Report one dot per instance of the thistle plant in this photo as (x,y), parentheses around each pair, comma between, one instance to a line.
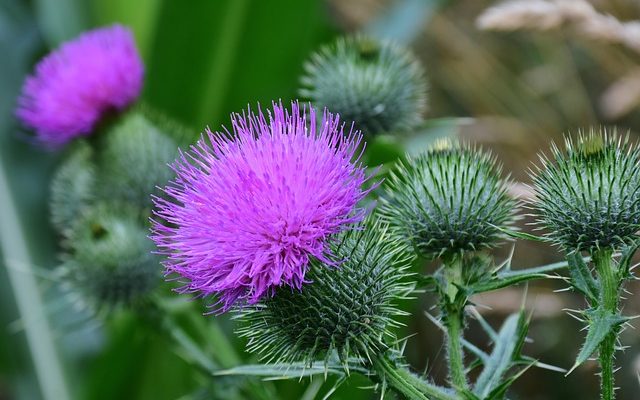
(588,201)
(380,86)
(450,203)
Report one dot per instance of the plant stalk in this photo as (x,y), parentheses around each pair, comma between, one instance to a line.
(609,298)
(405,382)
(453,310)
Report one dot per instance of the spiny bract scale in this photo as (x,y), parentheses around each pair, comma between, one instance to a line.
(588,195)
(378,85)
(346,309)
(448,200)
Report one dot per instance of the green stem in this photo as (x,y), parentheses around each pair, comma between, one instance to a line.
(453,310)
(455,353)
(405,382)
(609,297)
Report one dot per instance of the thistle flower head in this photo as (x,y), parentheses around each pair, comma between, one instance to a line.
(245,214)
(588,194)
(75,85)
(347,310)
(381,85)
(448,200)
(111,262)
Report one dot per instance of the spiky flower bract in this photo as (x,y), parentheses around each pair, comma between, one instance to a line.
(448,200)
(348,309)
(588,194)
(247,211)
(111,261)
(133,159)
(73,187)
(378,85)
(75,85)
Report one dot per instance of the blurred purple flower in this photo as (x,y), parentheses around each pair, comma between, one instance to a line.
(245,213)
(76,84)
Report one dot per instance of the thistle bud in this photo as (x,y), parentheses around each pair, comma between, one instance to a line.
(134,158)
(111,261)
(378,85)
(72,187)
(346,308)
(588,195)
(448,200)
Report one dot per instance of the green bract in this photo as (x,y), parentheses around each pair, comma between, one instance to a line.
(588,195)
(378,85)
(448,200)
(111,261)
(346,309)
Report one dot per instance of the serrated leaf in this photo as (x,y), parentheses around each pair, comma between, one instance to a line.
(581,277)
(601,323)
(506,349)
(625,259)
(508,278)
(499,391)
(287,370)
(521,235)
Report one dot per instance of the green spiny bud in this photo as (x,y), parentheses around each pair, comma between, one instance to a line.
(134,160)
(378,85)
(448,200)
(72,187)
(346,309)
(111,261)
(588,195)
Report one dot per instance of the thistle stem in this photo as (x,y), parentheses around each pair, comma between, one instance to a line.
(609,298)
(453,311)
(405,382)
(455,352)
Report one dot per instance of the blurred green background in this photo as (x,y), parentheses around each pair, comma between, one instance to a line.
(512,93)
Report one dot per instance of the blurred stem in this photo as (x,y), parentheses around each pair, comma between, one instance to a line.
(405,382)
(453,311)
(609,285)
(17,260)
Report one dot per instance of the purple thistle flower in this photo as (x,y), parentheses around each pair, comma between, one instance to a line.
(76,84)
(245,213)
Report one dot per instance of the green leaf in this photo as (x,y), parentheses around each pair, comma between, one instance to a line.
(581,277)
(601,323)
(508,277)
(506,350)
(521,235)
(287,370)
(624,264)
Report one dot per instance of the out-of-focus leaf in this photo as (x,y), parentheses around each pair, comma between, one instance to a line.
(228,54)
(433,129)
(23,184)
(140,15)
(403,20)
(61,20)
